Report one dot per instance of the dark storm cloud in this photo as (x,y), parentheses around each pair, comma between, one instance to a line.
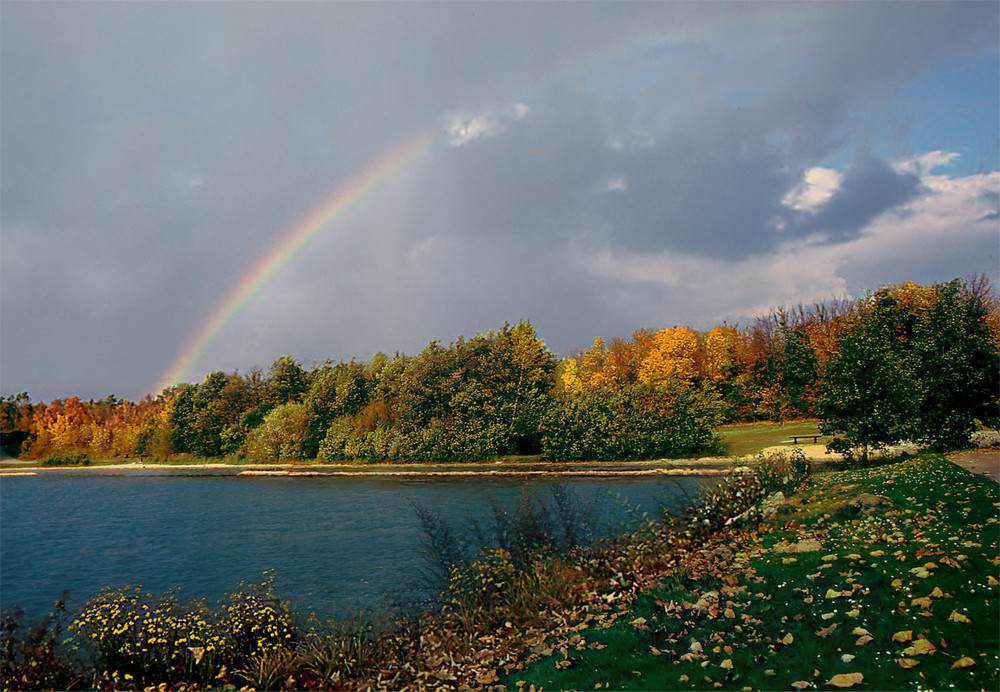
(152,153)
(870,187)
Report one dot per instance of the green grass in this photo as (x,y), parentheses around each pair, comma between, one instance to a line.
(915,583)
(751,438)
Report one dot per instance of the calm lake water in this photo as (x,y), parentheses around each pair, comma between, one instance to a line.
(335,544)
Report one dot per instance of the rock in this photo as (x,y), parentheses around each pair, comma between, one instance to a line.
(867,504)
(808,545)
(770,506)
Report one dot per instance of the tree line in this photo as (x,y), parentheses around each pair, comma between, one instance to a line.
(905,362)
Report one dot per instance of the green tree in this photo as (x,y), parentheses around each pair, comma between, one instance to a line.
(956,356)
(914,363)
(869,391)
(287,381)
(281,436)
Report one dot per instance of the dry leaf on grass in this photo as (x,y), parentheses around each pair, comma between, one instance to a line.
(846,679)
(824,632)
(958,617)
(907,662)
(903,636)
(919,647)
(963,662)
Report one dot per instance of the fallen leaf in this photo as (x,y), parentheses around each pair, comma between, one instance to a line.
(727,664)
(864,639)
(896,583)
(846,679)
(787,639)
(656,652)
(923,602)
(827,616)
(830,593)
(991,580)
(937,593)
(963,662)
(853,613)
(958,617)
(696,647)
(919,647)
(907,662)
(847,658)
(824,632)
(857,631)
(801,684)
(903,636)
(638,622)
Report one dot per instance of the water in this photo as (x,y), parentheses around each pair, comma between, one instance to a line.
(335,544)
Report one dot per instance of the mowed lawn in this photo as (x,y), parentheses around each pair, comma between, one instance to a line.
(750,438)
(821,597)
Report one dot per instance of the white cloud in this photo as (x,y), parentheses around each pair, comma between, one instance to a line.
(464,127)
(615,184)
(817,187)
(947,227)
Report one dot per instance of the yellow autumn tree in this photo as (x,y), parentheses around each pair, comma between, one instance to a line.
(721,347)
(672,358)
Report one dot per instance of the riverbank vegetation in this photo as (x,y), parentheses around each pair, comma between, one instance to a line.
(882,577)
(927,355)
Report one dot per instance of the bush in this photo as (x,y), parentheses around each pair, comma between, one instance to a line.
(32,657)
(68,460)
(142,639)
(638,422)
(257,622)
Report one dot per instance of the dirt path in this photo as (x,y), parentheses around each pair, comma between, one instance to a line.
(984,461)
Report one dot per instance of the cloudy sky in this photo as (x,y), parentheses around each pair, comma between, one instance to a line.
(197,186)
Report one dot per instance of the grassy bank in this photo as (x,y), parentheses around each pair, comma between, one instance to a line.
(881,578)
(825,596)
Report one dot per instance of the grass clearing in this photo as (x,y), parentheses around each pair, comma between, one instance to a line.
(904,598)
(750,438)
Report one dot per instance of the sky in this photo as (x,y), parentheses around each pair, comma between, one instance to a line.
(196,186)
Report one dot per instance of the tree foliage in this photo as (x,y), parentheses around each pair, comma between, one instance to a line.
(906,362)
(914,363)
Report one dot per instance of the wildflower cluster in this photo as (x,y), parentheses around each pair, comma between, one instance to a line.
(141,638)
(258,622)
(480,582)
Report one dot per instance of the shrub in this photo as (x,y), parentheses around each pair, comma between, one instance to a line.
(31,657)
(637,422)
(742,491)
(257,622)
(68,460)
(142,639)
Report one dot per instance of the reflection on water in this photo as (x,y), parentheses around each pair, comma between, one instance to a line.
(335,544)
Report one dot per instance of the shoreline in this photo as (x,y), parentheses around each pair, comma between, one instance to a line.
(702,466)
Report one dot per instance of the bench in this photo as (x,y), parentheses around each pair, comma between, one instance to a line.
(814,438)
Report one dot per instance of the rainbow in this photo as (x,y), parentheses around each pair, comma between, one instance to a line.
(781,18)
(343,198)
